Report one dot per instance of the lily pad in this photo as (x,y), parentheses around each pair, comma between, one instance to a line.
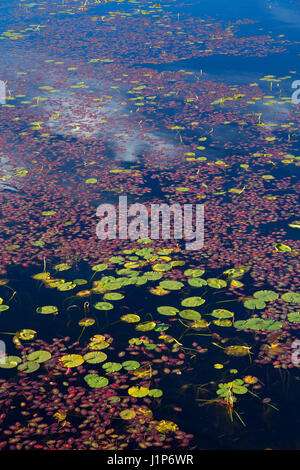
(100,267)
(95,357)
(222,313)
(39,356)
(169,311)
(146,326)
(216,283)
(29,366)
(130,365)
(112,367)
(190,314)
(96,381)
(294,317)
(291,297)
(197,282)
(113,296)
(266,295)
(47,310)
(9,362)
(171,285)
(71,360)
(138,392)
(253,304)
(192,302)
(103,306)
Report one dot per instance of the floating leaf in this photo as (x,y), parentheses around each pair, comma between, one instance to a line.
(291,297)
(130,365)
(47,310)
(190,314)
(100,267)
(155,393)
(71,360)
(192,302)
(39,356)
(165,310)
(86,322)
(95,357)
(62,267)
(294,317)
(197,282)
(146,326)
(266,295)
(29,366)
(95,381)
(26,334)
(258,324)
(237,350)
(3,308)
(221,313)
(113,296)
(194,272)
(281,248)
(130,318)
(103,306)
(127,414)
(171,285)
(138,392)
(222,322)
(253,304)
(9,362)
(216,283)
(161,267)
(112,367)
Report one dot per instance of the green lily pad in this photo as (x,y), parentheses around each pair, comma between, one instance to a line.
(171,285)
(95,357)
(39,356)
(62,267)
(197,282)
(103,306)
(146,326)
(258,324)
(138,392)
(222,313)
(266,295)
(112,367)
(194,272)
(127,414)
(130,365)
(47,310)
(192,302)
(100,267)
(223,322)
(113,296)
(71,360)
(9,362)
(294,317)
(80,282)
(152,276)
(3,308)
(29,366)
(95,381)
(216,283)
(291,297)
(190,314)
(155,393)
(165,310)
(253,304)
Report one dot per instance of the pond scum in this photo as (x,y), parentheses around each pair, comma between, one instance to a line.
(124,344)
